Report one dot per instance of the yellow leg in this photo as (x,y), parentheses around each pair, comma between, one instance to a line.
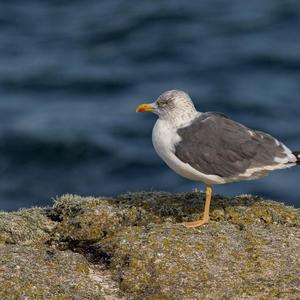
(205,219)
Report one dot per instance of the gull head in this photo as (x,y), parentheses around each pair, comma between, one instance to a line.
(174,106)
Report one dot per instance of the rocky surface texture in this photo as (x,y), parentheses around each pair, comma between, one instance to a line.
(134,247)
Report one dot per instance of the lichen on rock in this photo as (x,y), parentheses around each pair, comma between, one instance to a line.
(249,250)
(42,273)
(27,226)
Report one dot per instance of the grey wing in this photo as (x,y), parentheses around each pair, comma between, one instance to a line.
(214,144)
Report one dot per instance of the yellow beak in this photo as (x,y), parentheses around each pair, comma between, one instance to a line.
(148,107)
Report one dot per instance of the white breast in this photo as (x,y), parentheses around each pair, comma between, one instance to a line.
(164,138)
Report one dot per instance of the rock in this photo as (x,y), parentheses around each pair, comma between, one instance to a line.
(134,247)
(43,273)
(25,226)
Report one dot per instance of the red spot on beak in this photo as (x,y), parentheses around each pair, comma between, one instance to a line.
(144,108)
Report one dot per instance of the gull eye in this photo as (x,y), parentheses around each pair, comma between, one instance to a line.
(162,104)
(167,103)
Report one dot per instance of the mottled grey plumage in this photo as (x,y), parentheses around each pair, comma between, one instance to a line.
(214,144)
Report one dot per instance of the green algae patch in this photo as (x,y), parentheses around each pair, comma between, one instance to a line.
(135,247)
(25,226)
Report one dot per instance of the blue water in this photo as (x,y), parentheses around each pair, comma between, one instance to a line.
(72,73)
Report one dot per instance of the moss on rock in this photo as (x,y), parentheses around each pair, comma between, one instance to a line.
(180,207)
(216,262)
(25,227)
(40,273)
(249,250)
(84,219)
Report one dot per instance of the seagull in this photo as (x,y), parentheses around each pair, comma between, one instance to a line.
(210,147)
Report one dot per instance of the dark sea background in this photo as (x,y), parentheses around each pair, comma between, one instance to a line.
(73,72)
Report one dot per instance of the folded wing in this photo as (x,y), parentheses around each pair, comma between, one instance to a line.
(214,144)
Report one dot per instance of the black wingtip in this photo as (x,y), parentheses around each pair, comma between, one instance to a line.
(297,154)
